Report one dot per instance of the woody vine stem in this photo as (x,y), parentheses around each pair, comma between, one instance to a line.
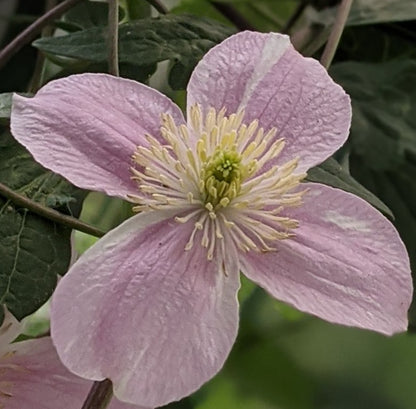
(336,33)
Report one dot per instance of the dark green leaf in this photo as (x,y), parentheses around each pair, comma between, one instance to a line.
(370,12)
(384,110)
(330,173)
(86,15)
(132,71)
(180,39)
(388,42)
(136,9)
(264,15)
(33,250)
(376,11)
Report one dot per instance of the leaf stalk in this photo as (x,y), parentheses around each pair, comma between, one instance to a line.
(99,396)
(113,17)
(336,33)
(48,213)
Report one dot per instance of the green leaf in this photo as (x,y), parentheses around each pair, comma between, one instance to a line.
(180,39)
(33,250)
(370,12)
(132,71)
(135,9)
(86,15)
(330,173)
(264,15)
(199,8)
(384,110)
(388,42)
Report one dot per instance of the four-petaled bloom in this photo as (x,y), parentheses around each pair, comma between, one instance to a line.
(153,304)
(33,377)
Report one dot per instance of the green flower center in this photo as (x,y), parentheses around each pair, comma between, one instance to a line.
(222,175)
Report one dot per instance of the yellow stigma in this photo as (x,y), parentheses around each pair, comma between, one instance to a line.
(222,176)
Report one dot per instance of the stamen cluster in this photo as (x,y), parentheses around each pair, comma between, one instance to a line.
(217,173)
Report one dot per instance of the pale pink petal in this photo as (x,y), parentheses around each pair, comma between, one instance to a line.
(346,264)
(266,76)
(137,308)
(33,377)
(86,128)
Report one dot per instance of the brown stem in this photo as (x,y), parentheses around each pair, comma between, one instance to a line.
(49,213)
(160,7)
(113,37)
(34,29)
(233,15)
(336,32)
(99,395)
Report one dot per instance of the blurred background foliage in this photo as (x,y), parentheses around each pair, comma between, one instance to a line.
(283,359)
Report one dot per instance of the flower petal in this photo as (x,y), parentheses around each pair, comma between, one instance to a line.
(138,309)
(86,128)
(346,264)
(32,376)
(266,76)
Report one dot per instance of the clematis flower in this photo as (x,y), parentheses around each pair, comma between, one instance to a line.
(33,377)
(153,305)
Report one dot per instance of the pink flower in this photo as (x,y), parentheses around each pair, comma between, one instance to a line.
(33,377)
(153,305)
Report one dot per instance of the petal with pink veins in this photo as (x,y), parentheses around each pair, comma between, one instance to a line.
(86,128)
(266,76)
(346,263)
(137,308)
(33,377)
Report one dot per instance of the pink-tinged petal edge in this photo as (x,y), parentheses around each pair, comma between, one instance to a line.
(138,309)
(266,76)
(33,377)
(346,264)
(86,128)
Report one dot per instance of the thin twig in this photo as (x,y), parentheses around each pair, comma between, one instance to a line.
(336,32)
(294,17)
(34,29)
(99,396)
(160,7)
(113,37)
(233,15)
(49,213)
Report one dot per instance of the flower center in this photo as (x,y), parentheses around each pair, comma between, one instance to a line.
(222,176)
